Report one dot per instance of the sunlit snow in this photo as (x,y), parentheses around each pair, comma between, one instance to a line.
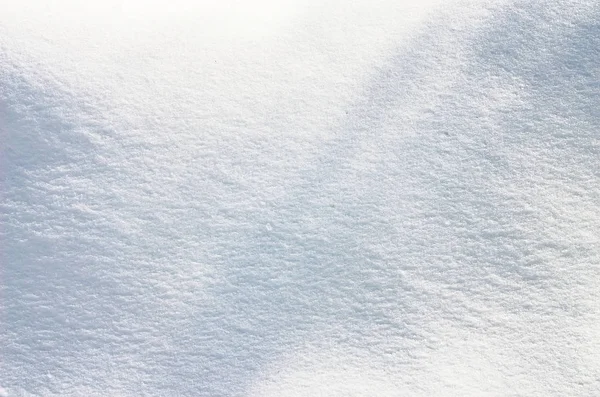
(299,198)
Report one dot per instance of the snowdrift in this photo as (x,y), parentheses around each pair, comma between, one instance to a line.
(299,198)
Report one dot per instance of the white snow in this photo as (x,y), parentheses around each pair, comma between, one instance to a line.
(299,198)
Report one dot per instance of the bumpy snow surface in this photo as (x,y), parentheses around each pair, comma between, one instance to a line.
(300,198)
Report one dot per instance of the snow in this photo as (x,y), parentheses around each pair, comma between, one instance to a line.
(299,198)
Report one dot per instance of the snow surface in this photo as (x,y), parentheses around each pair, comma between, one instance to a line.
(300,198)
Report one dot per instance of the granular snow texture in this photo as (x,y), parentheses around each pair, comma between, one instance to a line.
(299,198)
